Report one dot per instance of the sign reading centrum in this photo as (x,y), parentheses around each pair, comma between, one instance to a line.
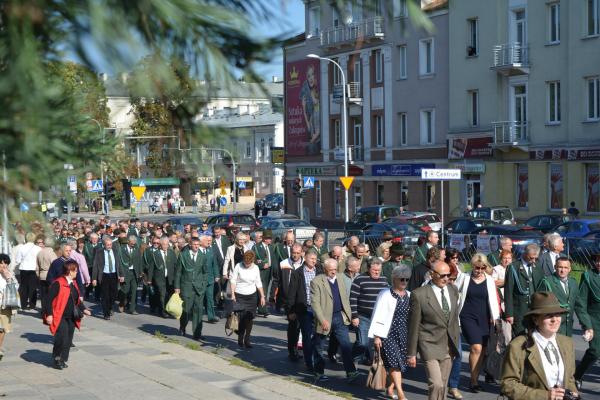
(440,174)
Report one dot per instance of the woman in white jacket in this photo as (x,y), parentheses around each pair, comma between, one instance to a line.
(389,328)
(479,309)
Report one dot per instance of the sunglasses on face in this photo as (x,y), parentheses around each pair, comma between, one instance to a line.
(479,268)
(442,275)
(403,279)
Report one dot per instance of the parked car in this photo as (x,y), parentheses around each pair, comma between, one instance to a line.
(520,237)
(233,223)
(577,229)
(546,223)
(302,229)
(273,201)
(417,222)
(467,225)
(370,215)
(586,246)
(179,222)
(262,219)
(404,233)
(430,218)
(500,215)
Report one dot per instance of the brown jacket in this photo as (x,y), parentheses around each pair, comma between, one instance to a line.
(44,259)
(321,300)
(429,333)
(523,376)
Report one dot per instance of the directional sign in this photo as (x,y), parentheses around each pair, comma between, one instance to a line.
(347,181)
(242,184)
(138,191)
(72,183)
(223,201)
(440,174)
(88,185)
(308,182)
(24,207)
(97,186)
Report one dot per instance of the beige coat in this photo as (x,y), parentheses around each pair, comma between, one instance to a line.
(321,300)
(44,259)
(523,376)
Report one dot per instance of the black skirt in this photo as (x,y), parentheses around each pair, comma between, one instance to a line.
(246,303)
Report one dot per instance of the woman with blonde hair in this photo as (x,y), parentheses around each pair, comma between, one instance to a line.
(478,312)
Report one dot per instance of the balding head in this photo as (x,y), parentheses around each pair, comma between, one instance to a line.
(440,272)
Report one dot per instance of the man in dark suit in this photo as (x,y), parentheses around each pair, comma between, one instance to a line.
(161,273)
(108,272)
(433,329)
(565,289)
(89,251)
(319,245)
(522,279)
(147,261)
(283,250)
(264,261)
(220,244)
(192,274)
(494,257)
(421,252)
(419,273)
(211,287)
(131,261)
(548,259)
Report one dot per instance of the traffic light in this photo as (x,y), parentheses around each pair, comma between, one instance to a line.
(297,187)
(109,190)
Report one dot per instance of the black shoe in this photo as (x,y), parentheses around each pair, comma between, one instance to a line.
(241,343)
(489,379)
(476,388)
(578,383)
(293,356)
(164,315)
(213,321)
(57,364)
(107,317)
(333,358)
(64,364)
(199,338)
(181,332)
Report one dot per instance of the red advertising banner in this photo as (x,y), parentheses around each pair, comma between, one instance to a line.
(459,148)
(303,113)
(592,187)
(556,186)
(523,186)
(566,154)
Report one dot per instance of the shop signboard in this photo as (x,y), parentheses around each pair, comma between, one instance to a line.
(406,170)
(478,147)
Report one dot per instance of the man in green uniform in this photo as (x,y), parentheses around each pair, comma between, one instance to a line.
(161,273)
(505,244)
(264,261)
(89,251)
(587,308)
(319,245)
(209,299)
(131,260)
(522,278)
(421,252)
(396,259)
(565,289)
(193,272)
(147,261)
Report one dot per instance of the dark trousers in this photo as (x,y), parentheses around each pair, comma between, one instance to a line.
(340,332)
(293,333)
(110,288)
(44,286)
(128,291)
(63,338)
(193,309)
(162,294)
(28,289)
(589,358)
(209,301)
(307,329)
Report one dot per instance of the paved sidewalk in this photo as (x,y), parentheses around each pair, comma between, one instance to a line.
(114,361)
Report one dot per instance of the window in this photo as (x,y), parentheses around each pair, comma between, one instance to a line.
(336,196)
(378,66)
(264,152)
(554,23)
(357,75)
(553,102)
(556,184)
(592,192)
(399,8)
(357,197)
(336,17)
(380,189)
(402,62)
(337,74)
(593,98)
(337,133)
(248,149)
(268,150)
(426,62)
(403,129)
(473,96)
(318,198)
(403,194)
(593,17)
(379,10)
(379,134)
(314,21)
(427,126)
(473,44)
(522,185)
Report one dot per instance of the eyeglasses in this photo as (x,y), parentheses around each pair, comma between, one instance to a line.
(454,258)
(479,268)
(442,275)
(403,279)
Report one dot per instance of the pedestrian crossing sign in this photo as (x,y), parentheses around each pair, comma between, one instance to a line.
(309,182)
(97,185)
(242,184)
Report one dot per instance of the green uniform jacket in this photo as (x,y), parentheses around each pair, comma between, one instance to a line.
(262,257)
(156,269)
(193,277)
(387,269)
(518,288)
(127,260)
(420,255)
(147,259)
(280,252)
(523,376)
(552,284)
(320,251)
(587,306)
(89,251)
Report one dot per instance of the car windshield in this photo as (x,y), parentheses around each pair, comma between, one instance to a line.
(292,223)
(243,219)
(389,212)
(594,226)
(484,214)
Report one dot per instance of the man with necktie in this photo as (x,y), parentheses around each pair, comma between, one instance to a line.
(147,261)
(522,279)
(192,275)
(108,273)
(548,259)
(131,260)
(220,244)
(264,261)
(209,299)
(161,274)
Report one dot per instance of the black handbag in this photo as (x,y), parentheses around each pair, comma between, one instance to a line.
(77,312)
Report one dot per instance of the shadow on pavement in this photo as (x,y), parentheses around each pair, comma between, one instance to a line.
(38,357)
(38,337)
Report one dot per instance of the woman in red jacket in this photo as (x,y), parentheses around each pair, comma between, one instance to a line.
(63,312)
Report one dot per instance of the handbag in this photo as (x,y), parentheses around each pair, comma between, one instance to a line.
(232,324)
(494,354)
(377,375)
(10,298)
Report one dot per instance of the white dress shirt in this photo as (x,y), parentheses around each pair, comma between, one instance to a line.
(26,257)
(246,280)
(437,291)
(555,370)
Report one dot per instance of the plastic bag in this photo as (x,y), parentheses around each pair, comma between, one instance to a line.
(175,306)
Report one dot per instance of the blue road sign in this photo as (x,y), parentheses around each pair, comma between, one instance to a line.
(309,182)
(24,207)
(223,201)
(242,184)
(97,186)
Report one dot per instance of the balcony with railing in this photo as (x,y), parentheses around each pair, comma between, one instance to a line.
(511,59)
(511,133)
(368,29)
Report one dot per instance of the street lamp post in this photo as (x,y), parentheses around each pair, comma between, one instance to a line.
(4,206)
(101,129)
(344,126)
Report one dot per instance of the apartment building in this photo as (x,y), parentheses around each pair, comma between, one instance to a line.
(397,76)
(525,104)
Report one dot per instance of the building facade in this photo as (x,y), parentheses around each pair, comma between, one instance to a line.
(524,104)
(397,114)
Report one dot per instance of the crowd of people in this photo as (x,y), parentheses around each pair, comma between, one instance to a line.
(366,303)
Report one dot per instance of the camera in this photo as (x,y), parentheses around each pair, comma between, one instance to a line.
(571,396)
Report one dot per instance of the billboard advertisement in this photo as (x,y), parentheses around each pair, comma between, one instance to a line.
(303,113)
(460,148)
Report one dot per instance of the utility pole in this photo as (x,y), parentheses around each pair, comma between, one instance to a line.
(300,201)
(4,206)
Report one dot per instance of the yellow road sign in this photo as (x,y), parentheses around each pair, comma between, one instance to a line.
(138,191)
(223,192)
(222,184)
(347,181)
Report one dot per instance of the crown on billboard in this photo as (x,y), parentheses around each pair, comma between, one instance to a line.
(293,73)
